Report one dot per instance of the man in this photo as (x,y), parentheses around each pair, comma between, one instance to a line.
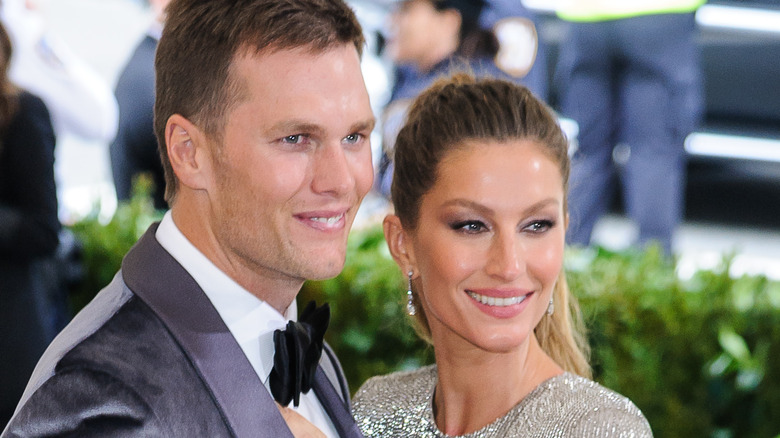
(264,117)
(134,149)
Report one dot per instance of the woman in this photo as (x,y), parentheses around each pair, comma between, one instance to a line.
(480,215)
(28,232)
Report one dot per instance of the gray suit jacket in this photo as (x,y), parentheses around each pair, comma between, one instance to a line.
(150,356)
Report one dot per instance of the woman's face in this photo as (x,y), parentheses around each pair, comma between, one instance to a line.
(489,244)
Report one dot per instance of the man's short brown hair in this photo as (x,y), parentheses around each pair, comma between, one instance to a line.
(202,37)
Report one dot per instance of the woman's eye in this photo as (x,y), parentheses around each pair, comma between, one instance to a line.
(469,227)
(539,226)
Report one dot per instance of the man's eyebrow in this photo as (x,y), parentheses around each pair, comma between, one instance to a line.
(296,127)
(301,126)
(365,125)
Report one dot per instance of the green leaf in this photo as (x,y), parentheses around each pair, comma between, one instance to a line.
(734,345)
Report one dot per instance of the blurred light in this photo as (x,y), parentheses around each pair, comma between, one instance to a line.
(730,146)
(720,16)
(739,18)
(81,201)
(540,5)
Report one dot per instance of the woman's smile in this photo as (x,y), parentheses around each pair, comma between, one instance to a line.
(498,306)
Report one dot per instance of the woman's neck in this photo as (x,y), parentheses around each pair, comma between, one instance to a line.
(476,387)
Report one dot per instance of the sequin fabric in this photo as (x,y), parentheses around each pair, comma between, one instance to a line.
(399,405)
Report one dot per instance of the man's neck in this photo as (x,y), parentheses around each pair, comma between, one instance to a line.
(276,289)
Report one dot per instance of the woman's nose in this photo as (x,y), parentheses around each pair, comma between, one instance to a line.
(506,257)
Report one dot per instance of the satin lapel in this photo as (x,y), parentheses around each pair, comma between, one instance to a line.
(155,277)
(334,406)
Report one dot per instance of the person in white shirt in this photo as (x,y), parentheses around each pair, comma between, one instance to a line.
(79,99)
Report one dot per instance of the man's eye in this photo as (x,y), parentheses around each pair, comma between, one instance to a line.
(353,138)
(294,139)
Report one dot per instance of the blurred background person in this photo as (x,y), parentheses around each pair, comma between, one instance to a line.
(29,228)
(134,150)
(629,75)
(80,101)
(429,39)
(82,106)
(521,52)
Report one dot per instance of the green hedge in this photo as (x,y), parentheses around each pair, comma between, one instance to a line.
(105,242)
(695,355)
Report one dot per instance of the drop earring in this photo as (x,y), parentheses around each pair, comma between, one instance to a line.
(550,307)
(410,307)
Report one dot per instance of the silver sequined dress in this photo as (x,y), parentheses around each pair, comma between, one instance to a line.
(400,405)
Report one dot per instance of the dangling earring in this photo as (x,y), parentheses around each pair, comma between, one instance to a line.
(410,307)
(550,307)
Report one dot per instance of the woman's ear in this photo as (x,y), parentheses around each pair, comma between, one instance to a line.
(399,243)
(188,152)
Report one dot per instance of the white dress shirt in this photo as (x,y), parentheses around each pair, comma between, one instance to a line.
(251,320)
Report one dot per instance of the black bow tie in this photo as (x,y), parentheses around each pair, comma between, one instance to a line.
(298,350)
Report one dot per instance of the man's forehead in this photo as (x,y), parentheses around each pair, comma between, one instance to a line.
(281,65)
(275,65)
(307,91)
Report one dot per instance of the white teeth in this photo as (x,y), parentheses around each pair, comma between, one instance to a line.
(328,220)
(494,301)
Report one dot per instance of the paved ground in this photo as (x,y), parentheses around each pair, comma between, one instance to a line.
(722,217)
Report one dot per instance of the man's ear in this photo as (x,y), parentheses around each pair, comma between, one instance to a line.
(188,152)
(400,244)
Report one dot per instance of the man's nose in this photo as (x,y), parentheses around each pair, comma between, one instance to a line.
(332,172)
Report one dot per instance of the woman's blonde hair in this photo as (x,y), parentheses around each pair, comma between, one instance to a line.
(442,119)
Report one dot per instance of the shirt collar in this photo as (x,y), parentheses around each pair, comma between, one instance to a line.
(250,320)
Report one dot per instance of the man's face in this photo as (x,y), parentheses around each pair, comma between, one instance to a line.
(294,163)
(416,28)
